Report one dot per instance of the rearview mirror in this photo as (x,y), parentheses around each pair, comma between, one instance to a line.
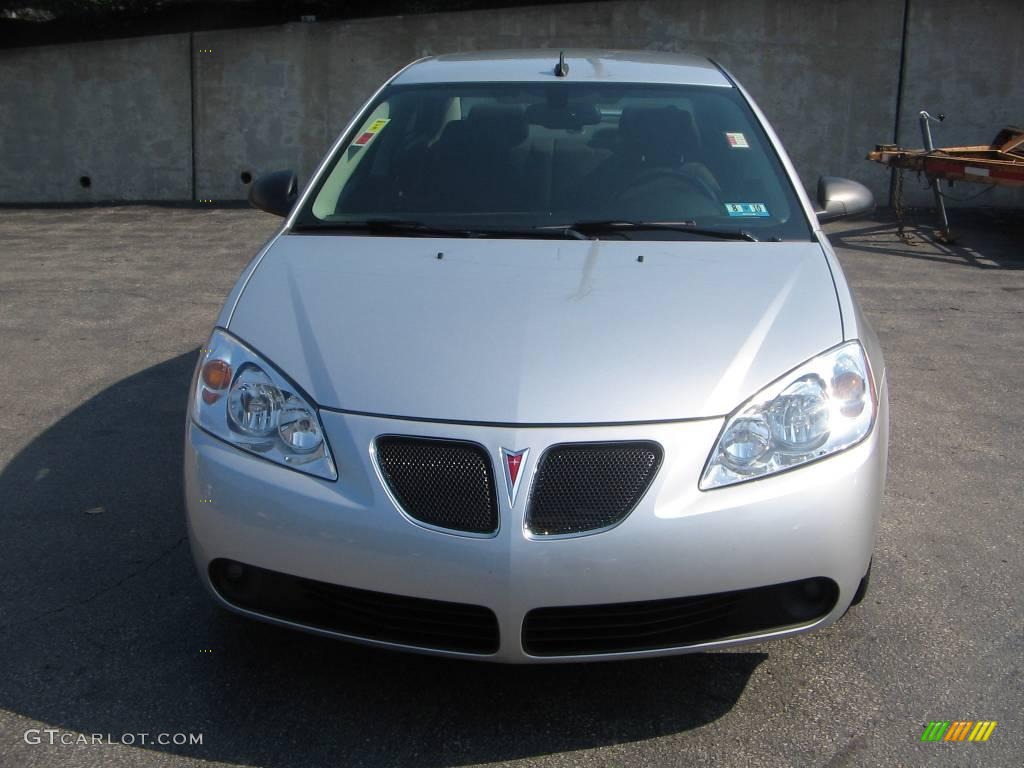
(275,192)
(569,117)
(839,198)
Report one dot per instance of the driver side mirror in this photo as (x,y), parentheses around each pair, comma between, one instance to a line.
(839,198)
(275,192)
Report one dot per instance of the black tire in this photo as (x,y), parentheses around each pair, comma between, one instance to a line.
(862,588)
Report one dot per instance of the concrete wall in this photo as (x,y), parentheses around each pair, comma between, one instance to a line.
(117,112)
(277,98)
(261,104)
(966,62)
(826,74)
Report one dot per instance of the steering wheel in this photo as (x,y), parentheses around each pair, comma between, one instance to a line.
(675,174)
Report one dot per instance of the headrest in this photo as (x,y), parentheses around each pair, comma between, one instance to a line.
(498,125)
(665,132)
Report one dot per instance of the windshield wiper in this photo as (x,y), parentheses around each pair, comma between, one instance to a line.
(582,230)
(397,227)
(588,229)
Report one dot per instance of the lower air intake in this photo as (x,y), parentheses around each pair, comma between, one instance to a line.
(677,622)
(358,613)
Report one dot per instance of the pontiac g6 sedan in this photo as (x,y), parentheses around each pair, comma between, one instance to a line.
(550,360)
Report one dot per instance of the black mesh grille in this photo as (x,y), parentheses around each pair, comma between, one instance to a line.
(357,612)
(677,622)
(447,483)
(587,486)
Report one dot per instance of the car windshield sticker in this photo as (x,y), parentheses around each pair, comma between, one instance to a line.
(367,136)
(737,140)
(747,209)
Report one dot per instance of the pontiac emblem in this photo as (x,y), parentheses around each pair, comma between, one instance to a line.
(513,462)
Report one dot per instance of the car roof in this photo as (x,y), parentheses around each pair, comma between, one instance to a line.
(584,65)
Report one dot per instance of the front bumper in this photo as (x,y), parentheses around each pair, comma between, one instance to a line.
(815,521)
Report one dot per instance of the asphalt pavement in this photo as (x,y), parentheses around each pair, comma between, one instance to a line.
(105,629)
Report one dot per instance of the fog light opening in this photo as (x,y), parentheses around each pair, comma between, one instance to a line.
(232,579)
(812,590)
(234,571)
(809,599)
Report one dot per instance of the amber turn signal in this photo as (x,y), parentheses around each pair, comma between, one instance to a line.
(217,374)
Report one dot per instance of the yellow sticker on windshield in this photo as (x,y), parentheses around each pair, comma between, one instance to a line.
(367,136)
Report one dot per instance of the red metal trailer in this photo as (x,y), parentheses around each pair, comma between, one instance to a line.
(999,163)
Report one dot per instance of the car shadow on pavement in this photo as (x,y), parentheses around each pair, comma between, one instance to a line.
(105,629)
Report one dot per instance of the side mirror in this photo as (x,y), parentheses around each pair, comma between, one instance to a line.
(275,192)
(839,198)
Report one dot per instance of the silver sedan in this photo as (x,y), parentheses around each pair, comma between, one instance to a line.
(550,360)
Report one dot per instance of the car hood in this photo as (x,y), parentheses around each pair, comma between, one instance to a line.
(536,331)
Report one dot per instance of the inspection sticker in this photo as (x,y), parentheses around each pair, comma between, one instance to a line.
(746,209)
(367,136)
(737,140)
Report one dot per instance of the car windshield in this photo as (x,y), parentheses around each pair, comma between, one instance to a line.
(542,158)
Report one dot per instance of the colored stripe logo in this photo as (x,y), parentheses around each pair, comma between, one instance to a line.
(958,730)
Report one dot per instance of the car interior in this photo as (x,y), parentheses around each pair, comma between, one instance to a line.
(636,158)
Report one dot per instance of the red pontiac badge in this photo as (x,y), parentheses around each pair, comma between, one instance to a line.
(513,461)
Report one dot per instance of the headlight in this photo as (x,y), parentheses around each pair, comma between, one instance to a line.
(826,405)
(242,399)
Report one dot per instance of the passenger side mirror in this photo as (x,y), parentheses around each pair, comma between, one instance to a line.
(839,198)
(275,192)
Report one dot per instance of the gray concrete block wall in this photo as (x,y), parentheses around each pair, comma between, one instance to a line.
(117,112)
(804,61)
(966,62)
(826,74)
(261,99)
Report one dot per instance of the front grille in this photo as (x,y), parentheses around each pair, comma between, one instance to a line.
(676,622)
(447,483)
(586,486)
(357,612)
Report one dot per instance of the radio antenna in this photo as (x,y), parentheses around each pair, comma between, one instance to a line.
(561,68)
